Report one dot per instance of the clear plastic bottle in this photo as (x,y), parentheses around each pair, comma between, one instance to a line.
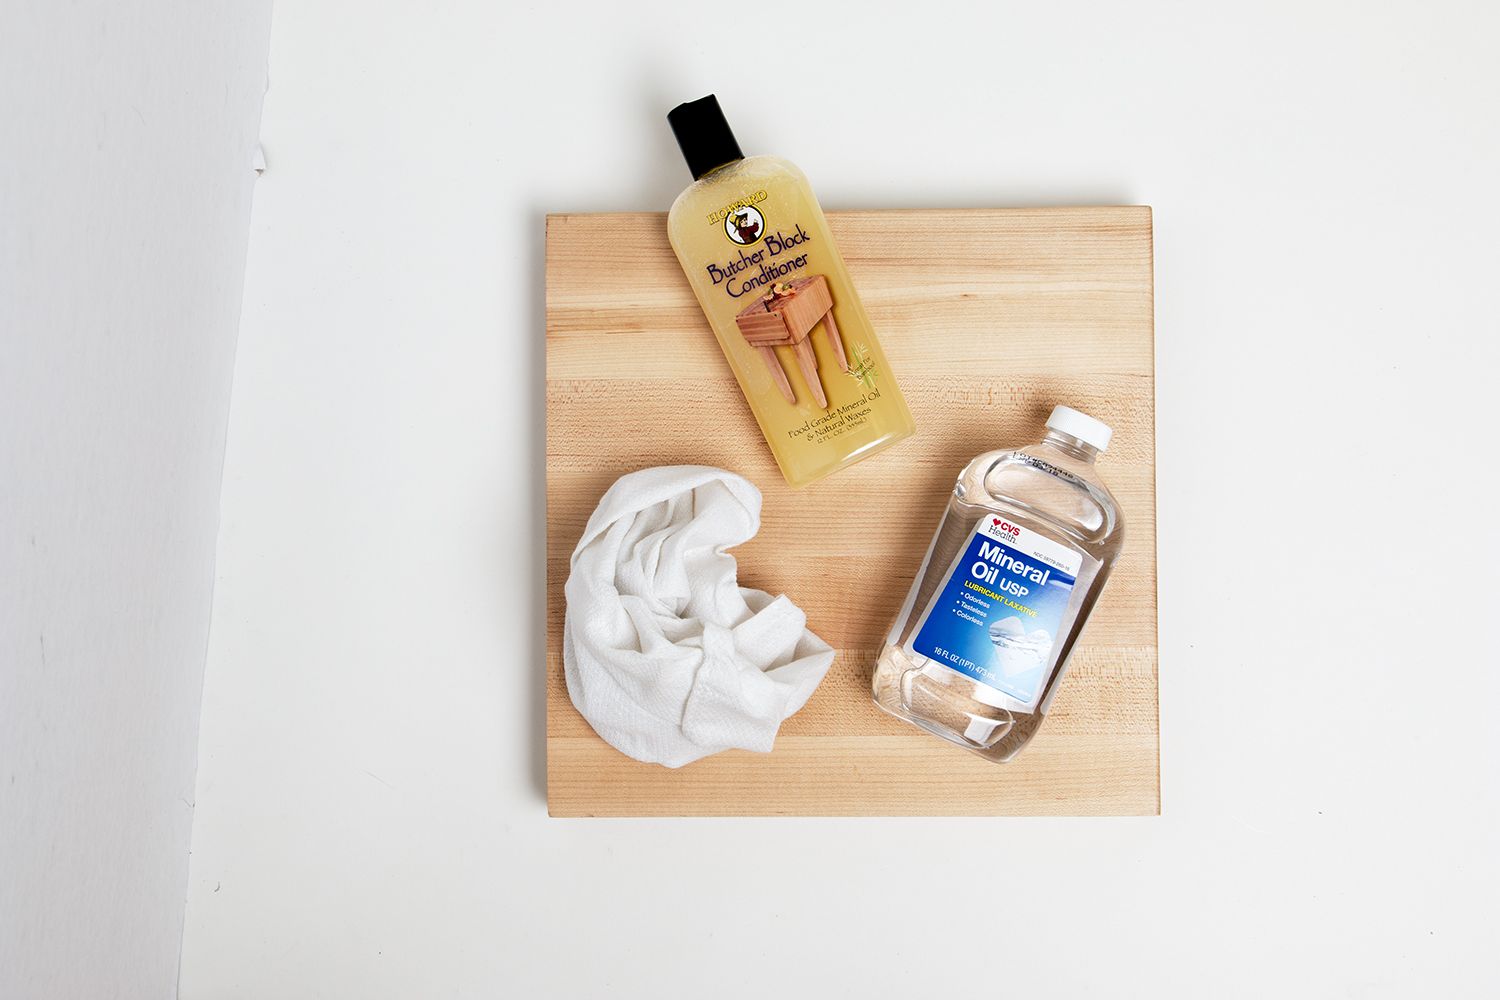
(979,647)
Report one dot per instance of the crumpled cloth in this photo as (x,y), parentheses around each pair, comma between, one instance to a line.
(665,654)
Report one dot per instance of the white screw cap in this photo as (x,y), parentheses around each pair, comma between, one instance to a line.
(1080,425)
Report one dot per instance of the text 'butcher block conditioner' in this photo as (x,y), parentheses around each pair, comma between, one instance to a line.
(757,251)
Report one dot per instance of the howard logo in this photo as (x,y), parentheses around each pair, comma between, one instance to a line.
(1004,527)
(744,225)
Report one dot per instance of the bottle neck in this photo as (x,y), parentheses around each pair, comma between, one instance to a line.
(713,170)
(1073,447)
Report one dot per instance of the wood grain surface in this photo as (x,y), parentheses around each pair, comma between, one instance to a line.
(990,317)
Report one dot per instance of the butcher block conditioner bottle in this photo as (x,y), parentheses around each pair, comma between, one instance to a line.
(980,646)
(758,254)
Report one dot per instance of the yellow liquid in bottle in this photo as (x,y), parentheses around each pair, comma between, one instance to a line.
(760,259)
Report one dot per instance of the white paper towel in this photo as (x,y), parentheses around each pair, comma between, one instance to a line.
(665,654)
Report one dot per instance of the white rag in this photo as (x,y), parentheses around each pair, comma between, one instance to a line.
(665,654)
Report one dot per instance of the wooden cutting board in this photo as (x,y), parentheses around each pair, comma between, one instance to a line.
(989,318)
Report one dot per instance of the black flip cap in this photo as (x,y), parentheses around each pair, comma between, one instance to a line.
(703,135)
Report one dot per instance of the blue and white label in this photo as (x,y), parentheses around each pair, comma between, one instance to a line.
(1000,612)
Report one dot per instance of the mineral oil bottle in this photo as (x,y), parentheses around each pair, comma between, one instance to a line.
(980,645)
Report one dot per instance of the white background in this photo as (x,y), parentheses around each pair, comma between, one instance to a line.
(126,140)
(370,819)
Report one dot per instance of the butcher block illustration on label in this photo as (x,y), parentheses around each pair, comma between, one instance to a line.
(785,317)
